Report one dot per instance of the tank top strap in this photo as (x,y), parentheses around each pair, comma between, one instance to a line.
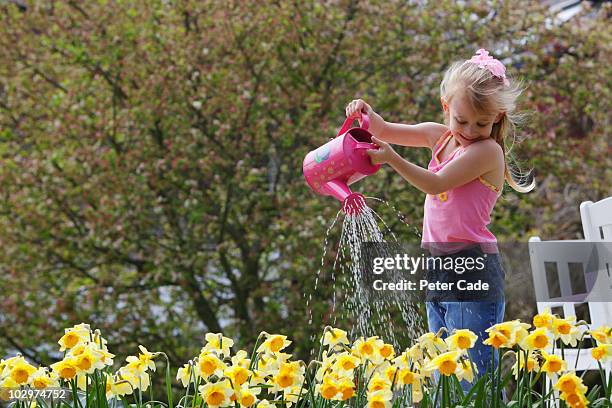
(444,140)
(446,137)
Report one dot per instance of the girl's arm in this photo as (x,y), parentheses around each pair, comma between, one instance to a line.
(421,135)
(424,134)
(478,159)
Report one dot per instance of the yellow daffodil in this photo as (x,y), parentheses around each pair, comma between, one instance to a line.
(237,375)
(121,387)
(136,365)
(368,349)
(82,381)
(329,389)
(7,365)
(328,365)
(386,351)
(265,404)
(209,364)
(100,341)
(462,339)
(335,336)
(570,383)
(289,375)
(407,377)
(247,399)
(544,319)
(138,379)
(379,399)
(216,394)
(390,372)
(217,342)
(241,359)
(532,364)
(21,372)
(269,363)
(347,389)
(603,334)
(345,363)
(602,353)
(185,374)
(445,363)
(417,392)
(109,385)
(496,339)
(537,339)
(415,353)
(146,357)
(433,344)
(514,330)
(465,370)
(566,330)
(247,396)
(552,364)
(6,384)
(106,358)
(66,368)
(74,336)
(379,382)
(575,400)
(42,379)
(88,360)
(402,361)
(273,343)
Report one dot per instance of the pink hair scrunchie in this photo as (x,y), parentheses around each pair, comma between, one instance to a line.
(484,60)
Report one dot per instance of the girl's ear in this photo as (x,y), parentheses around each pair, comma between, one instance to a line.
(499,116)
(444,104)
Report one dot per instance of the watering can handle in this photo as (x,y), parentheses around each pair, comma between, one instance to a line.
(366,145)
(348,122)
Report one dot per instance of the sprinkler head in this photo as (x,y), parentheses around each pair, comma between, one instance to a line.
(353,204)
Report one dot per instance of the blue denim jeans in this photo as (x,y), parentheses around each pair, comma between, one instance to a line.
(474,315)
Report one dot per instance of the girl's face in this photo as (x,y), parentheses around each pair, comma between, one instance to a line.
(466,125)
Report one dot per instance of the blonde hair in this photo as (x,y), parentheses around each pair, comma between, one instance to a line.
(488,94)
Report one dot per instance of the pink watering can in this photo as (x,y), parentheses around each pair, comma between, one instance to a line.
(331,168)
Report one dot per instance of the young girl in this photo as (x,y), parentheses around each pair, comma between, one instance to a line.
(463,181)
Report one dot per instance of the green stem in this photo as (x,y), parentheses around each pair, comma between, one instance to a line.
(195,395)
(75,394)
(493,385)
(168,382)
(498,380)
(437,391)
(519,377)
(603,376)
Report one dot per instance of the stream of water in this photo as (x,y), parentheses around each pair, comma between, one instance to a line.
(394,316)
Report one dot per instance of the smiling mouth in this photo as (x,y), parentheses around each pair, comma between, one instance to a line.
(469,139)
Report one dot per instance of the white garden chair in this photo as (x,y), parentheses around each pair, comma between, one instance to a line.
(597,226)
(597,220)
(554,264)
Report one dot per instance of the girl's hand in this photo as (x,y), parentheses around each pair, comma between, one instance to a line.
(356,107)
(384,153)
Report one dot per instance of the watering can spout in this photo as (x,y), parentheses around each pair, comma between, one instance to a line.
(352,203)
(338,189)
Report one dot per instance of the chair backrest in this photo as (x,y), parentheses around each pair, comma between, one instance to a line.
(567,274)
(597,220)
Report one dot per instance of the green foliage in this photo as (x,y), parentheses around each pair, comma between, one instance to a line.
(151,152)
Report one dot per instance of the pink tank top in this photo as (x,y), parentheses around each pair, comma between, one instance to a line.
(458,217)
